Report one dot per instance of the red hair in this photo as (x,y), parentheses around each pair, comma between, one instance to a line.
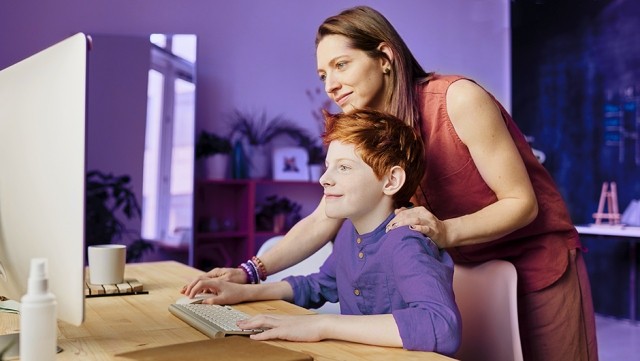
(382,141)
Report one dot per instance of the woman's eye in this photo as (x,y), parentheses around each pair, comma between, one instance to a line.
(341,64)
(322,77)
(343,167)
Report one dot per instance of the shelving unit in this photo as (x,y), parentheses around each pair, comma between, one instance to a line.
(224,217)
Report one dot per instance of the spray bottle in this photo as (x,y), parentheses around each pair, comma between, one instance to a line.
(38,319)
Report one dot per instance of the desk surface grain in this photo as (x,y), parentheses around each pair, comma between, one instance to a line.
(119,324)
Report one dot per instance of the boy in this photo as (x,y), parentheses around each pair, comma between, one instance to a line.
(395,288)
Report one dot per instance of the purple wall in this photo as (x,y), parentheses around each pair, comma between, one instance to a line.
(259,55)
(117,114)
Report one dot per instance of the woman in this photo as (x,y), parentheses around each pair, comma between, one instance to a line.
(484,195)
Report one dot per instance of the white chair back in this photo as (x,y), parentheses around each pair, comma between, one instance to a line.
(487,299)
(310,265)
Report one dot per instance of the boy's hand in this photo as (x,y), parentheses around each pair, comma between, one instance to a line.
(286,327)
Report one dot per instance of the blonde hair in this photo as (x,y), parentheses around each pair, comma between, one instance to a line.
(382,141)
(366,29)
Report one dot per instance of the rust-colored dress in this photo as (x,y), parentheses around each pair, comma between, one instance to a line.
(542,251)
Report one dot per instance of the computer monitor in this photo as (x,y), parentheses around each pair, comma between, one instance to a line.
(42,172)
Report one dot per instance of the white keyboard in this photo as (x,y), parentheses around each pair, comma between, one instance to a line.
(212,320)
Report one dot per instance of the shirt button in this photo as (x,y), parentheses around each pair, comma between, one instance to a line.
(356,292)
(361,255)
(359,240)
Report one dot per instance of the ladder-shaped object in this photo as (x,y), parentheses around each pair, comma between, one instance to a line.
(611,215)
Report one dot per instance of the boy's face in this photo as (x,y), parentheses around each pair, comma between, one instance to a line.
(351,188)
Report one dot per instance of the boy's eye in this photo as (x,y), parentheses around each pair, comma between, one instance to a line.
(343,167)
(341,64)
(322,77)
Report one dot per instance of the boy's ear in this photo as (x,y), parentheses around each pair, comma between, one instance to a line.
(396,177)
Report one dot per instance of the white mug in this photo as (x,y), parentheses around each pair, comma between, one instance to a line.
(106,264)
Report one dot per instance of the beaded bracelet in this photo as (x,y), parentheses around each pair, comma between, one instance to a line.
(262,270)
(243,267)
(252,274)
(254,270)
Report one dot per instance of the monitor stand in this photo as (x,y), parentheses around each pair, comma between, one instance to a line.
(10,346)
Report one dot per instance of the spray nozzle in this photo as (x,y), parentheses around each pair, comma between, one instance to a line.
(38,268)
(38,276)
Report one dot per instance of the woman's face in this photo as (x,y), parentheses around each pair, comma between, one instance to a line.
(352,79)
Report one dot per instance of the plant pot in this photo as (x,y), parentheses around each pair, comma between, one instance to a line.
(315,172)
(215,166)
(279,222)
(259,162)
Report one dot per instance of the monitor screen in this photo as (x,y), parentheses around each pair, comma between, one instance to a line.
(42,172)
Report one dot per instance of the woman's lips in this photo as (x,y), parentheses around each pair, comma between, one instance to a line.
(342,99)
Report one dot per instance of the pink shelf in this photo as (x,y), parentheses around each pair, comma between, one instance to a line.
(232,204)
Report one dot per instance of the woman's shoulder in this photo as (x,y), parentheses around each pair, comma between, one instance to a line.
(465,95)
(439,83)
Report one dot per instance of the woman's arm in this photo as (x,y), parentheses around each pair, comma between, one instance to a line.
(229,293)
(303,239)
(423,275)
(479,124)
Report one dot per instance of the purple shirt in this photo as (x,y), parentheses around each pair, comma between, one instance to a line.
(401,272)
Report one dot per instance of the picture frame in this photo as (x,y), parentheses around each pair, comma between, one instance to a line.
(290,163)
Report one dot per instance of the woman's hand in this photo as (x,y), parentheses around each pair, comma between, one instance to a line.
(235,275)
(223,292)
(286,327)
(423,221)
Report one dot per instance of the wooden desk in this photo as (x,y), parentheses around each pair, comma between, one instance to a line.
(118,324)
(632,234)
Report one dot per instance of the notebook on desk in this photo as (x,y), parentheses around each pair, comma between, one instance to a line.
(230,348)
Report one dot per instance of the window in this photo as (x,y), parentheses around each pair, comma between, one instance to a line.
(169,141)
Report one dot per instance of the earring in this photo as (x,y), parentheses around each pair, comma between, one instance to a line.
(386,70)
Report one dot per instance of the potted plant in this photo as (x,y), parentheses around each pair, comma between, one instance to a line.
(212,150)
(316,153)
(316,162)
(108,198)
(277,214)
(258,131)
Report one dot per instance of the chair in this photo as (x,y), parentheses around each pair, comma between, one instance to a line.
(310,265)
(487,299)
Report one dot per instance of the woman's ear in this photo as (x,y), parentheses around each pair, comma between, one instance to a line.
(396,177)
(388,61)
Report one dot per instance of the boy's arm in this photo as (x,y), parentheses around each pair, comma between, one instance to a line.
(312,291)
(380,330)
(371,329)
(424,277)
